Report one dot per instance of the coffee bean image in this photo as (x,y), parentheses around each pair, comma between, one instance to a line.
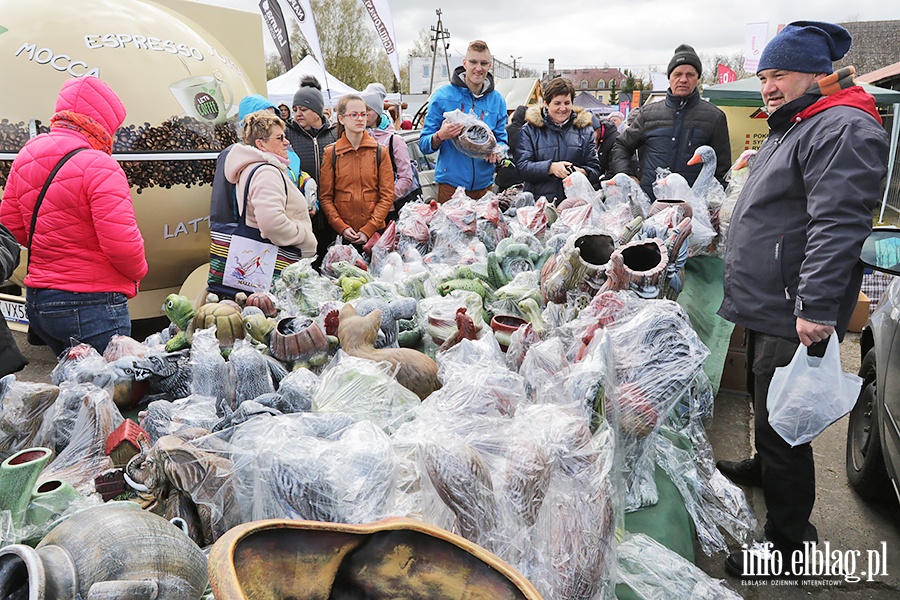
(174,135)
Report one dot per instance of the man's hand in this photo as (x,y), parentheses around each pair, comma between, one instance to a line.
(494,158)
(361,238)
(810,333)
(448,131)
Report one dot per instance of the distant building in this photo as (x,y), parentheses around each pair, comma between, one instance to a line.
(596,81)
(875,45)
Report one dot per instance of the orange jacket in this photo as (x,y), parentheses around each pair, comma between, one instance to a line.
(361,193)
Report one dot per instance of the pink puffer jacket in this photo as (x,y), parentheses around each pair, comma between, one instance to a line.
(86,238)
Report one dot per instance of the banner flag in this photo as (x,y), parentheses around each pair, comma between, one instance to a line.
(380,12)
(274,19)
(725,74)
(303,12)
(755,40)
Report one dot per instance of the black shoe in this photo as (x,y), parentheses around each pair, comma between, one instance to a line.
(745,472)
(760,560)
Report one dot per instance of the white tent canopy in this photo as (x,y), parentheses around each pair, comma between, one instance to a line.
(282,88)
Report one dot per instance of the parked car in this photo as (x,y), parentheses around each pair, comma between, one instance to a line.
(873,433)
(424,162)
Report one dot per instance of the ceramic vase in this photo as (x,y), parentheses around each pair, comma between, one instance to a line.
(18,474)
(48,500)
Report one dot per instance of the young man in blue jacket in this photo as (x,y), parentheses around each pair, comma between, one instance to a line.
(471,90)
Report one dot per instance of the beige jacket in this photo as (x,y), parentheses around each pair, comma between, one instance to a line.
(284,221)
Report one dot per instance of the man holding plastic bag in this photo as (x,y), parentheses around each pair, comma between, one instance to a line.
(467,163)
(791,265)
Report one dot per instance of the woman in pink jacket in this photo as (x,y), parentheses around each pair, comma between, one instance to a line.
(86,253)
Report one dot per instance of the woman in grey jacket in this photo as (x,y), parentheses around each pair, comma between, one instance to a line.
(557,140)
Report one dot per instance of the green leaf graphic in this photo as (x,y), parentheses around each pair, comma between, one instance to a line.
(3,29)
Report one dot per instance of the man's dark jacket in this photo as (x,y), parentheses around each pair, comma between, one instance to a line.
(803,214)
(309,144)
(666,134)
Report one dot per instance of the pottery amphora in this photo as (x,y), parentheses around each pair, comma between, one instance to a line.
(115,550)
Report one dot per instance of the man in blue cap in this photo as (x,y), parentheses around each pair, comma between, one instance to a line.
(792,274)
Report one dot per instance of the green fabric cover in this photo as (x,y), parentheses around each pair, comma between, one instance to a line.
(668,523)
(701,298)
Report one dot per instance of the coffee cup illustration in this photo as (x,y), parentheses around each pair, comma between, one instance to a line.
(202,98)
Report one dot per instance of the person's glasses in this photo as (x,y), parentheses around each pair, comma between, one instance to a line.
(355,115)
(279,137)
(484,64)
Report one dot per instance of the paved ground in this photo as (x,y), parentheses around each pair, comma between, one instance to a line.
(842,518)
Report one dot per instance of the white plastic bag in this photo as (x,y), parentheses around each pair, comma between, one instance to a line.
(810,393)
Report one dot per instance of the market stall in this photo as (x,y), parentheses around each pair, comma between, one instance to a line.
(513,376)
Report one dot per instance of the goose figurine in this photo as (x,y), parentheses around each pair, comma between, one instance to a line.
(706,186)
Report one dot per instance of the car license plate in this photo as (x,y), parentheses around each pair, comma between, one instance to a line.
(13,310)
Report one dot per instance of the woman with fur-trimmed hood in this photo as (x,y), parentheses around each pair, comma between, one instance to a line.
(557,140)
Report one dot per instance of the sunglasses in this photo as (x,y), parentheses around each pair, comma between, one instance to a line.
(279,137)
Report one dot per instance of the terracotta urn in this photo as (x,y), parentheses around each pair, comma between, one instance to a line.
(301,345)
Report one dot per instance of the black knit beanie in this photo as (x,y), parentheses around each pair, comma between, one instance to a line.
(685,55)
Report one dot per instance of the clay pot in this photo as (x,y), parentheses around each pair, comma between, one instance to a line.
(662,204)
(504,326)
(111,551)
(292,347)
(18,474)
(394,558)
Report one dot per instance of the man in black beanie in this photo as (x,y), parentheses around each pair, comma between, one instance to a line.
(309,132)
(666,134)
(792,274)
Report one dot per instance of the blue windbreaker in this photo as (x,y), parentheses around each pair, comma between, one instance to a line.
(453,167)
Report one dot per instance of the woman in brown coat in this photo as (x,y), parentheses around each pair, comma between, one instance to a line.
(356,189)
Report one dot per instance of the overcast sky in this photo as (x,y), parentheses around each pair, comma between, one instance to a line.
(638,34)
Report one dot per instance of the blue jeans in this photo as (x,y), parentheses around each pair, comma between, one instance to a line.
(91,318)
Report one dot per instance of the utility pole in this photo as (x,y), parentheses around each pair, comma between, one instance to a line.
(438,37)
(514,59)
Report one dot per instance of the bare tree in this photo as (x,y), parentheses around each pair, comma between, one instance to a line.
(734,61)
(350,47)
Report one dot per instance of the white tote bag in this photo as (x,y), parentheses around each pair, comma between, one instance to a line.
(250,264)
(810,393)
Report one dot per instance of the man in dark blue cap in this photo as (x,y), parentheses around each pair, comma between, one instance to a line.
(792,274)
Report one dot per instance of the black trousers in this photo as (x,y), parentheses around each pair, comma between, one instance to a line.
(788,474)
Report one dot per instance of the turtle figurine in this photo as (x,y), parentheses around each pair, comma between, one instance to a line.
(226,318)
